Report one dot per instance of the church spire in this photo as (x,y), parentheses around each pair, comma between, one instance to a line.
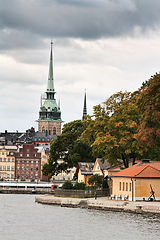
(84,107)
(50,86)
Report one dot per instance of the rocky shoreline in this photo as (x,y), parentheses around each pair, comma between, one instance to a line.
(101,204)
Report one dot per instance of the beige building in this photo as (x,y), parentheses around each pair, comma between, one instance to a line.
(136,181)
(7,162)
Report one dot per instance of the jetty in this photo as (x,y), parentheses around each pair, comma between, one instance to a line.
(102,203)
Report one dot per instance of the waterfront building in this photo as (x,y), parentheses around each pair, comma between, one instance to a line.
(29,162)
(7,162)
(106,170)
(135,182)
(84,171)
(49,120)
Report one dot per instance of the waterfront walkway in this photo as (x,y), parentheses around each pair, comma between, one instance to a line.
(101,203)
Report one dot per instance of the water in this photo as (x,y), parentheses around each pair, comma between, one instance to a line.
(23,219)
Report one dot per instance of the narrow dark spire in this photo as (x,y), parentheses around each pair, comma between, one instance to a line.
(84,107)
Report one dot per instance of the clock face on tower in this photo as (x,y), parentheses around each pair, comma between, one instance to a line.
(55,109)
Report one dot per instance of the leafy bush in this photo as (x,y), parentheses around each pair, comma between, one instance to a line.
(79,186)
(67,185)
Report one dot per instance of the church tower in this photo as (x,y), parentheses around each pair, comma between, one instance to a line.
(49,114)
(84,107)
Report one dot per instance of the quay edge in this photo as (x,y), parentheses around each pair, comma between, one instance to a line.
(101,203)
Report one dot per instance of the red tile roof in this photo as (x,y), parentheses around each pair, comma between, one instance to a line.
(141,170)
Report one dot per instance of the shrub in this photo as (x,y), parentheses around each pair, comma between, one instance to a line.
(79,186)
(67,185)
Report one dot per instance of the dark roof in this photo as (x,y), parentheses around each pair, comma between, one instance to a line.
(86,167)
(30,136)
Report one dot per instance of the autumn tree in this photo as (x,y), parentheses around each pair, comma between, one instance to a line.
(118,123)
(149,104)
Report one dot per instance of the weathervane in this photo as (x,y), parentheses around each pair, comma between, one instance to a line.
(51,42)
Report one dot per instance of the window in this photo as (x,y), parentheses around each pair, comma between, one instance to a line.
(54,130)
(4,167)
(22,161)
(27,154)
(130,187)
(27,161)
(2,153)
(8,176)
(0,167)
(0,159)
(17,168)
(32,161)
(4,175)
(36,168)
(68,177)
(36,162)
(22,176)
(31,168)
(21,154)
(26,176)
(126,186)
(63,177)
(31,175)
(22,168)
(12,176)
(123,186)
(18,161)
(43,129)
(36,175)
(0,176)
(12,168)
(120,186)
(4,159)
(8,168)
(27,150)
(12,159)
(27,168)
(8,159)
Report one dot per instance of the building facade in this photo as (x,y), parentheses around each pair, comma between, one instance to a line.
(7,162)
(28,162)
(49,114)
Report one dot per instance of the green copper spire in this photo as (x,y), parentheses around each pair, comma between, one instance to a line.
(50,86)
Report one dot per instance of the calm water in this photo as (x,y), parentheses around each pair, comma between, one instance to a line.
(22,218)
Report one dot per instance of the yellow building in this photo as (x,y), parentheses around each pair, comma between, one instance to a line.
(7,162)
(135,182)
(106,170)
(84,171)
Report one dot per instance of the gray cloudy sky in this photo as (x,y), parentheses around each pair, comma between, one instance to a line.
(103,46)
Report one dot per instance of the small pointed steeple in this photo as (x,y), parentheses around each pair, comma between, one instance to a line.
(84,107)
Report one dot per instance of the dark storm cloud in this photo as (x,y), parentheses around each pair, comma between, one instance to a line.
(78,19)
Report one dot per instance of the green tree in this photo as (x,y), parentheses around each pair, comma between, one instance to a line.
(70,147)
(96,181)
